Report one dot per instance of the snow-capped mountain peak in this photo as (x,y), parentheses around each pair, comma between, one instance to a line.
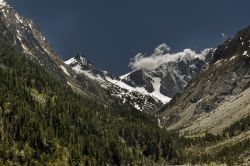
(80,59)
(80,64)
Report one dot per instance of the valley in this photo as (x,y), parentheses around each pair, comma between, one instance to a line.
(191,108)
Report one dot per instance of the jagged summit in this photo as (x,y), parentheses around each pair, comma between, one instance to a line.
(80,63)
(79,58)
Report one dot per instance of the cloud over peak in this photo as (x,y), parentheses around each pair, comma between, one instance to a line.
(163,55)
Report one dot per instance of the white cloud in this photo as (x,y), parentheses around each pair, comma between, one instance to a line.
(162,49)
(162,55)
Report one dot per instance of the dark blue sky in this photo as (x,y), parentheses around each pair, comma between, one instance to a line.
(110,32)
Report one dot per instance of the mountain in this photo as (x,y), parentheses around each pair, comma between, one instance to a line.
(219,96)
(145,90)
(71,113)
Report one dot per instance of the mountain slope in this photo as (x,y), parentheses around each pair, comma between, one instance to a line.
(43,122)
(219,96)
(27,38)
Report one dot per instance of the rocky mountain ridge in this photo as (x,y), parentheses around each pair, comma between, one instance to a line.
(225,80)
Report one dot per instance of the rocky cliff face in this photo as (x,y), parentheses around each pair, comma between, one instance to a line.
(225,80)
(173,76)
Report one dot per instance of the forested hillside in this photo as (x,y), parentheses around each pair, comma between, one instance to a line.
(43,122)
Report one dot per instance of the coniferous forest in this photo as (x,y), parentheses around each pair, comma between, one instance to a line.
(44,123)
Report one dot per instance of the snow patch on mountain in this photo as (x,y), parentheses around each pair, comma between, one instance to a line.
(157,93)
(19,18)
(156,84)
(125,75)
(70,61)
(245,53)
(78,69)
(26,50)
(81,60)
(3,3)
(64,70)
(232,58)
